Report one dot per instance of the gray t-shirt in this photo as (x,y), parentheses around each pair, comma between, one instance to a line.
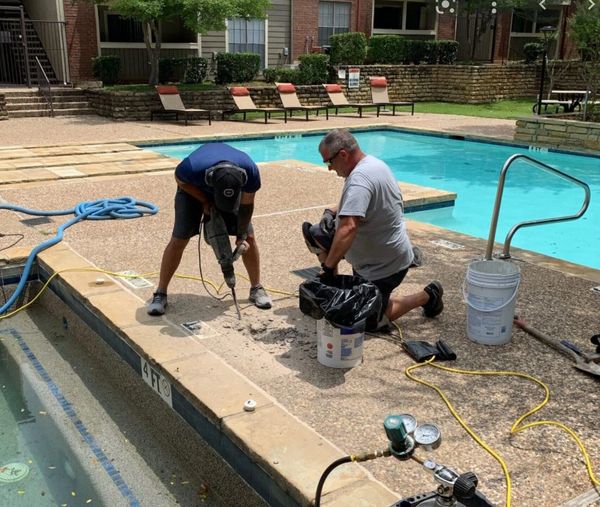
(381,247)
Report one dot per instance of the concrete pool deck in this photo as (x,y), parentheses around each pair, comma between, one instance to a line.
(308,415)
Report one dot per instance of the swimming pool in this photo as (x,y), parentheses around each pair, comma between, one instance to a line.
(70,435)
(471,169)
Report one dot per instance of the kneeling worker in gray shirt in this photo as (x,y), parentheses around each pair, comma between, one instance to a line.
(367,228)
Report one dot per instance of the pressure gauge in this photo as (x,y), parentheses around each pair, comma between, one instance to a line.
(428,436)
(410,423)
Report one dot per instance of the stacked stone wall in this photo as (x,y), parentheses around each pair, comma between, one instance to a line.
(124,105)
(417,83)
(559,133)
(3,111)
(449,83)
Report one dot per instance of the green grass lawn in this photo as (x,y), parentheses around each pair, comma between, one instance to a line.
(504,109)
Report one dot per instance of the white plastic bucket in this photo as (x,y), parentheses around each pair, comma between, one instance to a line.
(490,291)
(340,347)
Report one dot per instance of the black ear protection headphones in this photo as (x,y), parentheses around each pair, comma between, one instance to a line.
(210,172)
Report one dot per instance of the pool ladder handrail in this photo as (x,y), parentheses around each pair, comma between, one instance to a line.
(528,223)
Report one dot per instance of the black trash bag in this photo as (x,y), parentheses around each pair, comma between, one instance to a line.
(349,300)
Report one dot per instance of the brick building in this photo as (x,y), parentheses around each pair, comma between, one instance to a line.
(65,35)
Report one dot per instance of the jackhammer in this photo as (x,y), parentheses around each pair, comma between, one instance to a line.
(216,235)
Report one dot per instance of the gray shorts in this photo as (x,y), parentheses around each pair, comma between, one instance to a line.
(188,217)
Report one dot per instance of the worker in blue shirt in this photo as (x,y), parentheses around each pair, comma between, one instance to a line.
(219,176)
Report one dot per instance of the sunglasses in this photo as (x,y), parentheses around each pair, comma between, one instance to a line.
(330,160)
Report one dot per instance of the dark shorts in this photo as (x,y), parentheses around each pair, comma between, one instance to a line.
(188,217)
(386,286)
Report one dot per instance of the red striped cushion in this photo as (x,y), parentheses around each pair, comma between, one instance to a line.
(378,82)
(333,88)
(239,91)
(286,88)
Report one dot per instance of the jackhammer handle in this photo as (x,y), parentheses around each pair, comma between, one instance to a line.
(240,250)
(546,339)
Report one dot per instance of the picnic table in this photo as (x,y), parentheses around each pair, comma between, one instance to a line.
(569,100)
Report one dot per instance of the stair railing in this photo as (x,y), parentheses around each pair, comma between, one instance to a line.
(44,84)
(529,223)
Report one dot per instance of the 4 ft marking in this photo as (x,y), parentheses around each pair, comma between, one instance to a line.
(157,382)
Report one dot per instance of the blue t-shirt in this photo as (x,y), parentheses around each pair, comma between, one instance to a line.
(192,169)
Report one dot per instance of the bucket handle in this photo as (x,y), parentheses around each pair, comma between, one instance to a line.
(487,310)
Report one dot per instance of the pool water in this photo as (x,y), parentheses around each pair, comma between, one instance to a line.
(37,466)
(471,169)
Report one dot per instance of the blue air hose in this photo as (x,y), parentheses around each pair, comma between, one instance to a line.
(102,209)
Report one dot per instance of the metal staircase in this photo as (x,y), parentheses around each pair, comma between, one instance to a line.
(22,40)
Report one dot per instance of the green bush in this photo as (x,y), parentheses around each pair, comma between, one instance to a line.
(348,48)
(533,51)
(584,28)
(236,67)
(394,49)
(447,51)
(416,51)
(281,75)
(196,70)
(386,49)
(106,69)
(184,70)
(313,69)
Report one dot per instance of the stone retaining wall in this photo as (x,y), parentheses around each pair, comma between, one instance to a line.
(3,111)
(449,83)
(137,105)
(418,83)
(559,133)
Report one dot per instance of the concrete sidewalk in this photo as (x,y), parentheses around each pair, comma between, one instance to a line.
(92,129)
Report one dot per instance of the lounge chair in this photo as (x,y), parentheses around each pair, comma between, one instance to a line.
(244,104)
(173,105)
(339,100)
(380,97)
(291,103)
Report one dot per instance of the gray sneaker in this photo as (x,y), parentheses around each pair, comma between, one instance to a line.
(158,304)
(260,298)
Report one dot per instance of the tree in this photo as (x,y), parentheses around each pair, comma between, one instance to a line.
(198,15)
(584,27)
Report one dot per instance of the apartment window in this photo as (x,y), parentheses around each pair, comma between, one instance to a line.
(403,15)
(531,22)
(334,17)
(115,28)
(247,36)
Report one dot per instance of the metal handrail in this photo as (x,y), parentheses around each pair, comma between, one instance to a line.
(44,84)
(528,223)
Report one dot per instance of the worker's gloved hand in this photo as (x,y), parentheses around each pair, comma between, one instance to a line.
(327,222)
(327,275)
(422,351)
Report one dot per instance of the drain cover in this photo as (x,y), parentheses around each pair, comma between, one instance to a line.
(447,244)
(136,283)
(306,273)
(13,472)
(32,222)
(199,328)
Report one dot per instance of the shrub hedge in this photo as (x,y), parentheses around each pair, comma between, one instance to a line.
(281,74)
(184,70)
(394,49)
(236,67)
(313,69)
(106,69)
(348,48)
(533,51)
